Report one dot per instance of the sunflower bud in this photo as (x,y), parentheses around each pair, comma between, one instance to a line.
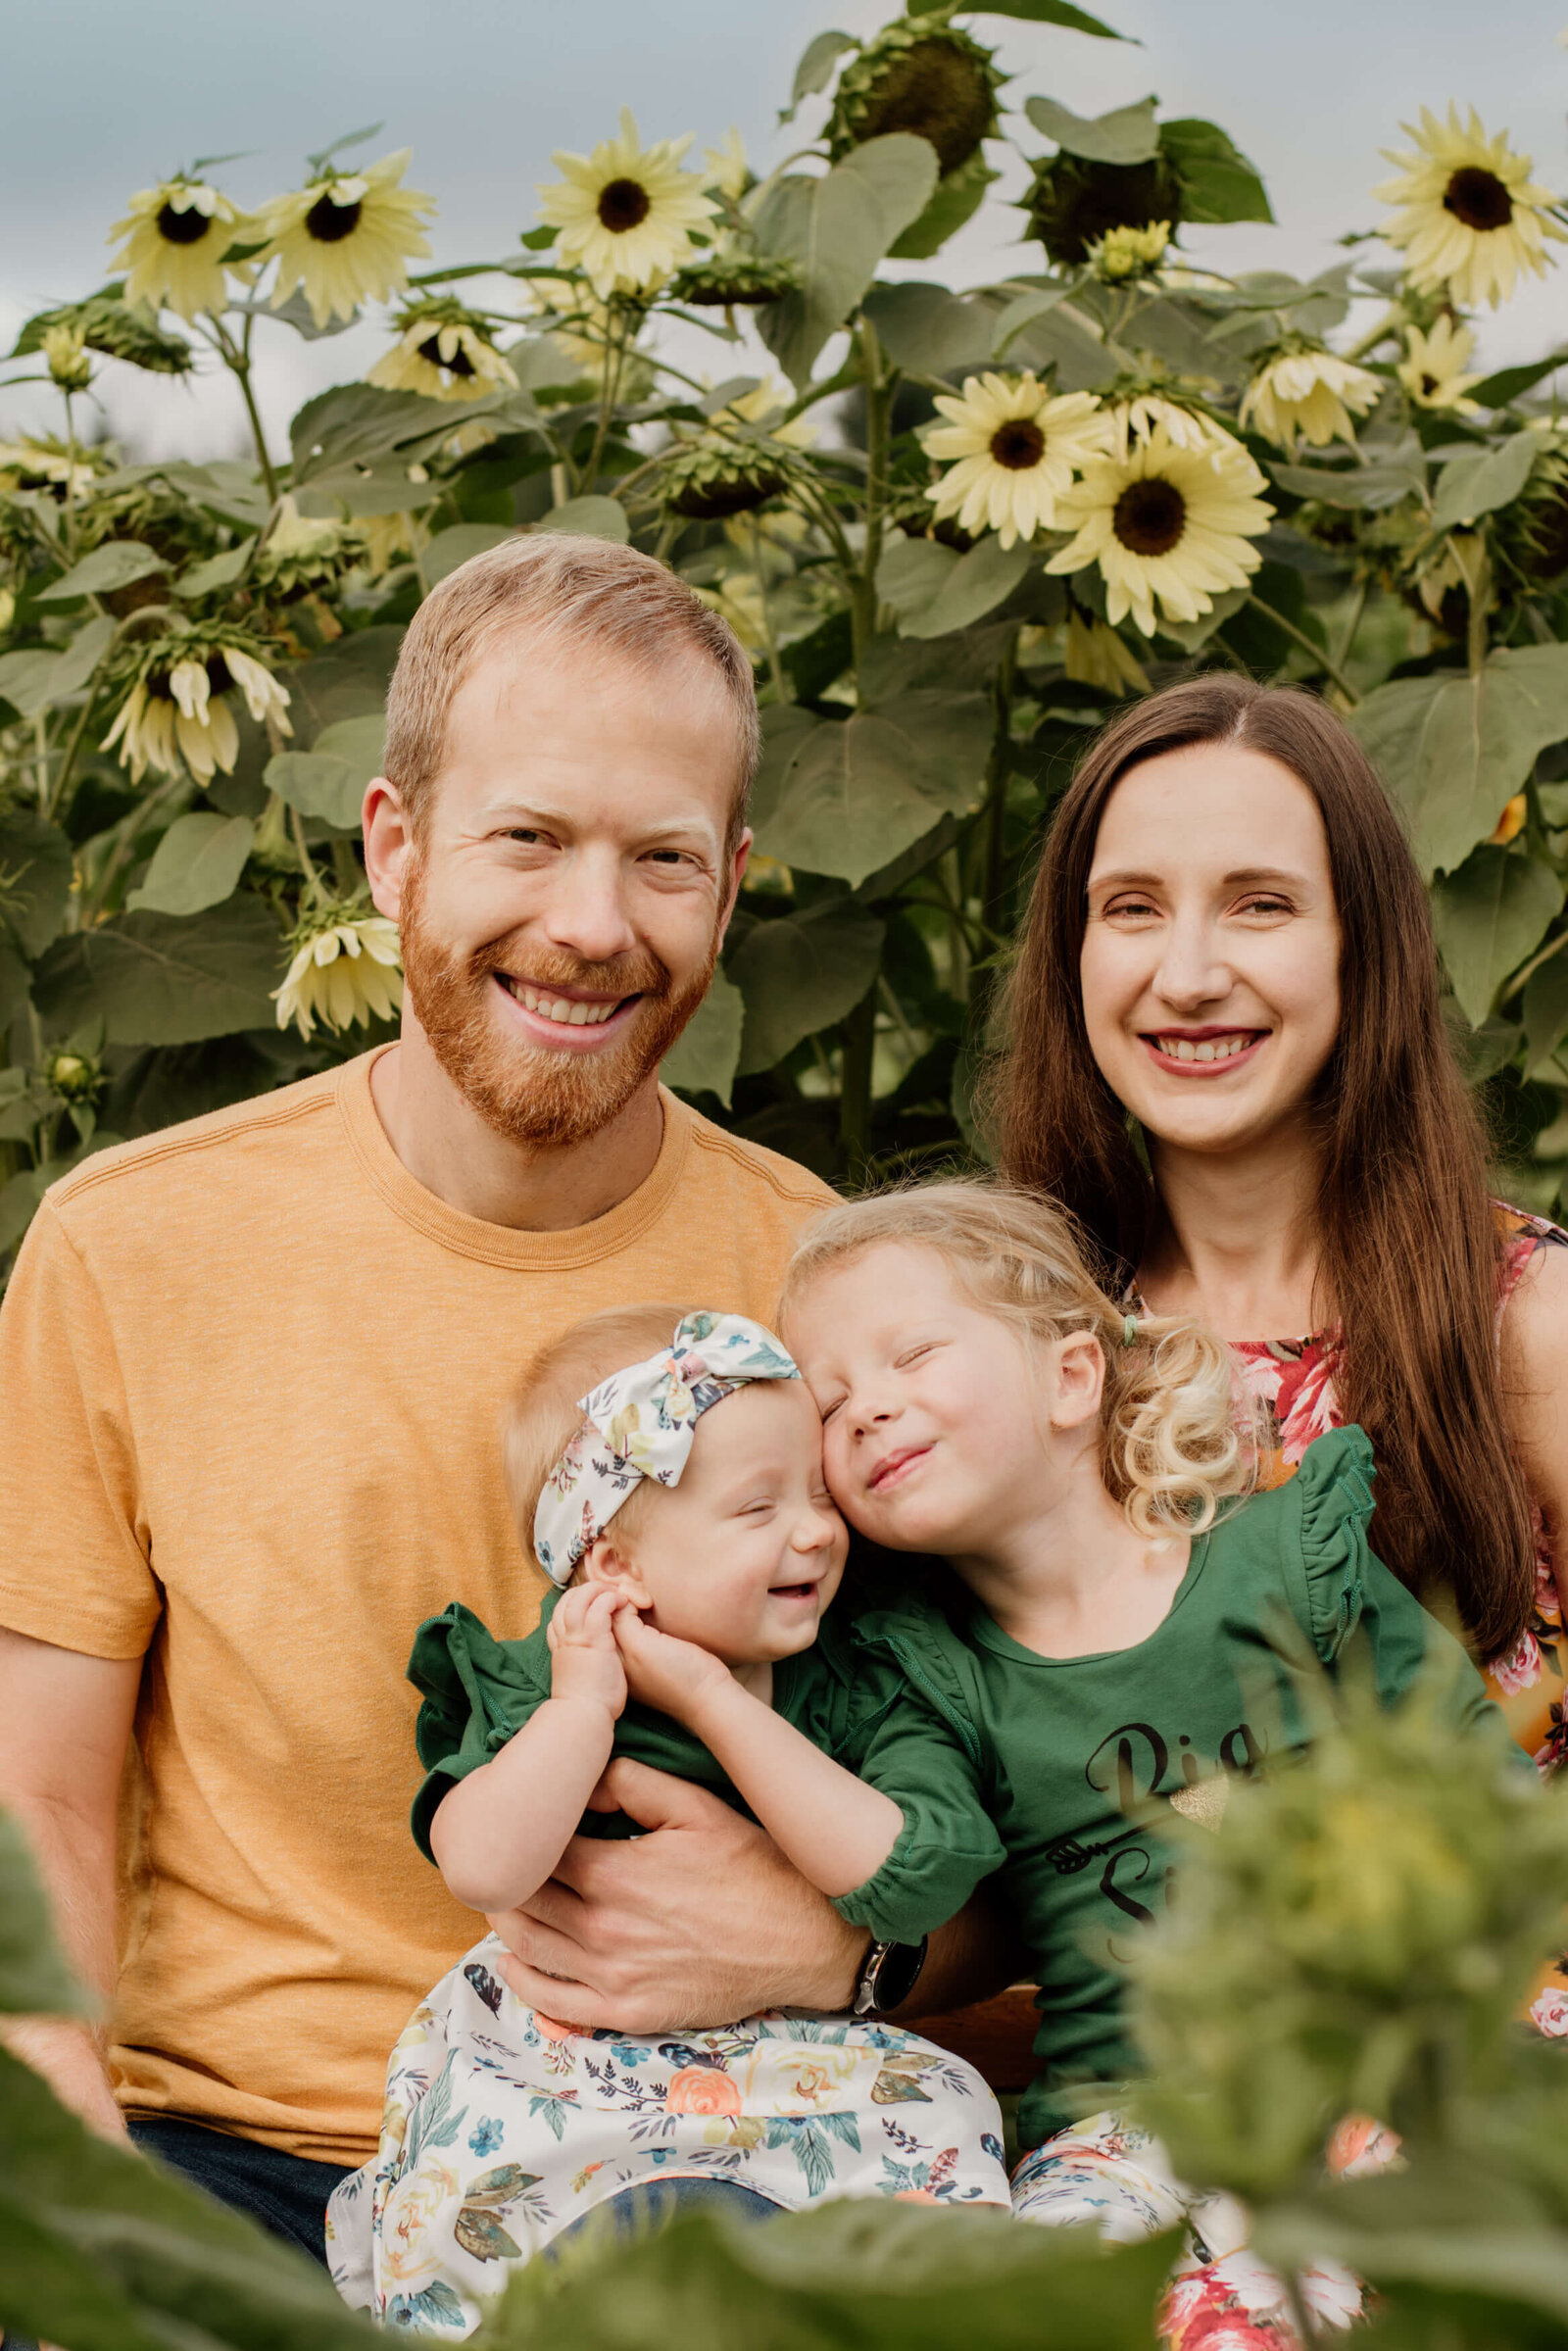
(66,350)
(1074,204)
(75,1077)
(919,76)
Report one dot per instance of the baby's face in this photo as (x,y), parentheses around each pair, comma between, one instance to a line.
(747,1552)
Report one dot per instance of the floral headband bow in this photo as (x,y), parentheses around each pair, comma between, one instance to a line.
(640,1423)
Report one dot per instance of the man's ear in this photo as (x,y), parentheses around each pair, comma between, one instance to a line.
(1079,1379)
(737,868)
(389,845)
(605,1565)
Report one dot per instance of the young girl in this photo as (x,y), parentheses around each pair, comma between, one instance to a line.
(1132,1643)
(666,1469)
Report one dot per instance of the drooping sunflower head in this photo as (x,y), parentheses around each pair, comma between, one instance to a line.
(746,457)
(346,237)
(178,715)
(1433,369)
(303,553)
(1533,532)
(626,213)
(1470,218)
(172,242)
(917,75)
(443,350)
(1304,392)
(1074,204)
(107,322)
(346,967)
(39,462)
(735,276)
(1011,447)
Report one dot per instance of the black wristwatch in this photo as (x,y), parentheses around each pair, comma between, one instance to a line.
(888,1975)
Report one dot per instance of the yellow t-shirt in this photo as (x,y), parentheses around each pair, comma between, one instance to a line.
(252,1377)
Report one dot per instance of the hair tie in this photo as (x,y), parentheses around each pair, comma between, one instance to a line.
(1129,1330)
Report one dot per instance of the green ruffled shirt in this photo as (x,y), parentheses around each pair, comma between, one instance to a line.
(853,1703)
(1075,1758)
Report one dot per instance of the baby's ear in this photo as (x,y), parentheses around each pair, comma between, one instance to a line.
(610,1568)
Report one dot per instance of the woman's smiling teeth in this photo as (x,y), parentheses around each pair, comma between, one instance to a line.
(570,1014)
(1206,1049)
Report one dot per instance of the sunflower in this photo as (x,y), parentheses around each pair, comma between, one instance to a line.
(1096,656)
(1138,416)
(735,276)
(1471,219)
(1124,253)
(347,966)
(175,239)
(728,174)
(346,237)
(178,717)
(1016,447)
(1309,393)
(40,463)
(626,213)
(739,462)
(922,77)
(443,350)
(1166,523)
(1073,203)
(303,552)
(1432,370)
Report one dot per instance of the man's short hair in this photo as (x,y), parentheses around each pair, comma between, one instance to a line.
(555,589)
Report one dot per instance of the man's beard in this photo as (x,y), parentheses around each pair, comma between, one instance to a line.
(527,1091)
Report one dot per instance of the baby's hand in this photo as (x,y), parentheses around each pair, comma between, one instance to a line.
(584,1660)
(672,1675)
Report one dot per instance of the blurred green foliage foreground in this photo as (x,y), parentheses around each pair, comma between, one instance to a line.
(1359,1936)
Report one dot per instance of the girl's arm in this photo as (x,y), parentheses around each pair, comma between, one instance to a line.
(499,1833)
(834,1827)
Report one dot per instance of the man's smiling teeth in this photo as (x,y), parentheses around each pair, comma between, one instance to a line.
(557,1008)
(1205,1049)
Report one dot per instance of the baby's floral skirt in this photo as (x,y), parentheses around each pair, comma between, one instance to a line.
(501,2128)
(1106,2174)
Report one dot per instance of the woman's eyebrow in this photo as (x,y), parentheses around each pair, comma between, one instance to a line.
(1237,878)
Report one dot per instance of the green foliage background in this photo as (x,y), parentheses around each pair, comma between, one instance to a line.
(925,694)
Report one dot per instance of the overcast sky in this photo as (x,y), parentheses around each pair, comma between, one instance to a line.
(109,97)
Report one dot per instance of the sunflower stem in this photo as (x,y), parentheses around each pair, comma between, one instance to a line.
(237,357)
(57,791)
(775,667)
(878,416)
(312,880)
(1324,660)
(999,770)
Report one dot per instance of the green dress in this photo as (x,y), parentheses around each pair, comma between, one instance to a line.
(853,1701)
(1078,1755)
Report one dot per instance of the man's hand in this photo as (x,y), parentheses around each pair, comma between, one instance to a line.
(675,1676)
(584,1660)
(700,1922)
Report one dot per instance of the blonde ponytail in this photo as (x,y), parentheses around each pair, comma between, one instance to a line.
(1177,1430)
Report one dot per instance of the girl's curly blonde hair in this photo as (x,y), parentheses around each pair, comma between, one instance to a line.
(1176,1426)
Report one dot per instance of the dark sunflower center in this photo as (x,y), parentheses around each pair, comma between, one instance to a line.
(1429,384)
(1478,198)
(623,204)
(330,224)
(1073,201)
(458,364)
(939,90)
(218,678)
(1018,444)
(1150,517)
(182,228)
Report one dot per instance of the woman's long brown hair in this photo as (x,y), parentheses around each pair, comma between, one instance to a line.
(1409,1248)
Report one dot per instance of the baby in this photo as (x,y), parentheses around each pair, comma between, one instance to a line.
(667,1471)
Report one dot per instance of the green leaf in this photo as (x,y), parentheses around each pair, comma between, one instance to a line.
(816,69)
(933,590)
(1061,337)
(197,864)
(159,979)
(926,328)
(1218,184)
(589,518)
(836,229)
(1022,311)
(1483,479)
(958,199)
(82,657)
(1378,483)
(703,1057)
(106,2250)
(34,1978)
(1048,12)
(27,678)
(113,565)
(219,571)
(1545,1012)
(1453,750)
(14,980)
(318,786)
(1129,135)
(36,864)
(451,548)
(800,972)
(1488,917)
(341,433)
(844,797)
(1498,391)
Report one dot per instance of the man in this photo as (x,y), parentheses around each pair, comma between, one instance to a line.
(252,1368)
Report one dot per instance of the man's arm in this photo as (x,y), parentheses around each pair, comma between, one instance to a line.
(703,1921)
(65,1720)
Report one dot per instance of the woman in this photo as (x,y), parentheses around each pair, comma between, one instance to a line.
(1228,1060)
